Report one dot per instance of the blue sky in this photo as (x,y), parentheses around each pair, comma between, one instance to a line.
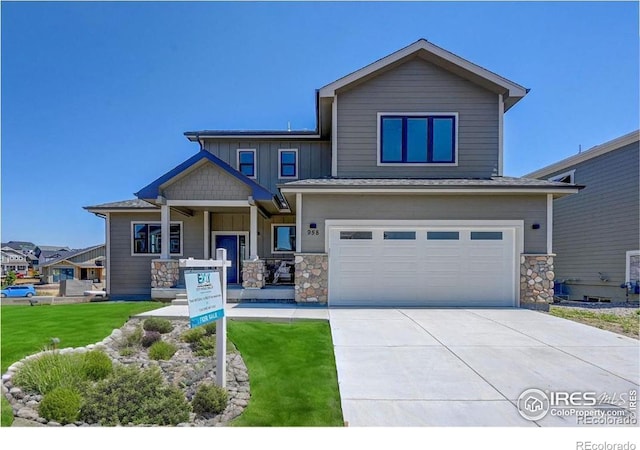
(96,96)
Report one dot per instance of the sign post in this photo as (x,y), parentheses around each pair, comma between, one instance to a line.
(207,297)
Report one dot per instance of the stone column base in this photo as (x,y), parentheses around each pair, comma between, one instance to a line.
(253,274)
(536,281)
(312,278)
(165,273)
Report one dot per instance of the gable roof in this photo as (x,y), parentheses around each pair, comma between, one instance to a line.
(71,254)
(512,92)
(151,191)
(593,152)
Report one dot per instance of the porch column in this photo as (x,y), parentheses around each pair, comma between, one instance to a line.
(164,224)
(207,234)
(253,232)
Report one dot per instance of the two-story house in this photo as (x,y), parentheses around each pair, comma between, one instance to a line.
(397,198)
(14,261)
(597,231)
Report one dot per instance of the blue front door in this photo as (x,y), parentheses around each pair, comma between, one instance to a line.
(230,243)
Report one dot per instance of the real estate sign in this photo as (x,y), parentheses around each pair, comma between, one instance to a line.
(204,296)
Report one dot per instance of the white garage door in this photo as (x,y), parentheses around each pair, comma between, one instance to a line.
(422,266)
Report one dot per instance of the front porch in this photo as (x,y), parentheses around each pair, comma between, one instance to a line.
(236,294)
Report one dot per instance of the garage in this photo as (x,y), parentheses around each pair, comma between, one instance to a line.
(414,263)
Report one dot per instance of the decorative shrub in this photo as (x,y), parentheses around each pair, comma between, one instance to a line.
(162,350)
(61,405)
(206,346)
(131,395)
(210,328)
(158,324)
(49,371)
(193,335)
(150,338)
(127,351)
(132,338)
(96,365)
(209,400)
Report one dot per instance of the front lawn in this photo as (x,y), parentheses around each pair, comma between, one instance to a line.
(292,373)
(627,324)
(26,330)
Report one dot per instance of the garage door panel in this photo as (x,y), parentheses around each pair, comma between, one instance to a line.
(423,267)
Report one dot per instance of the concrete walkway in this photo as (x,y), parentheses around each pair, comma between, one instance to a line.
(280,312)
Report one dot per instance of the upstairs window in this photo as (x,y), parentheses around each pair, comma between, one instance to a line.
(417,139)
(288,163)
(247,162)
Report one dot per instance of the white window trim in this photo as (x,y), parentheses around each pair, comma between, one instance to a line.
(255,161)
(280,176)
(627,271)
(405,114)
(569,173)
(273,232)
(154,222)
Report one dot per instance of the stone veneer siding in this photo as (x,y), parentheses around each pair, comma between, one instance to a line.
(165,273)
(536,281)
(312,277)
(253,274)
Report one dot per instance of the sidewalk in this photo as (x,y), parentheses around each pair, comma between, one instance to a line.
(279,312)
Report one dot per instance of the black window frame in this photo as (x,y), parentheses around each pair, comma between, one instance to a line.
(294,164)
(252,164)
(429,144)
(145,243)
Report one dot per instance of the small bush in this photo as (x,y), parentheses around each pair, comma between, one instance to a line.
(61,405)
(209,400)
(126,351)
(158,324)
(150,338)
(49,371)
(162,350)
(96,365)
(133,338)
(210,328)
(193,335)
(206,346)
(131,395)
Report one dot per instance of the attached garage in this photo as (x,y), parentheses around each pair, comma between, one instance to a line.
(424,263)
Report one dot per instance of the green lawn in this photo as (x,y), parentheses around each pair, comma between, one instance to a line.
(26,330)
(628,324)
(292,373)
(291,366)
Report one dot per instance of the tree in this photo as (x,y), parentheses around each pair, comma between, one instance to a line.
(10,279)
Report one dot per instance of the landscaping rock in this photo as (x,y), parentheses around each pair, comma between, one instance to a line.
(27,413)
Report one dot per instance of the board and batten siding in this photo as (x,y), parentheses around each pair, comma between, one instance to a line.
(314,158)
(417,86)
(530,208)
(131,275)
(595,228)
(88,256)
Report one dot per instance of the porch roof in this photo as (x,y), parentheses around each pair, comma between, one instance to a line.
(152,190)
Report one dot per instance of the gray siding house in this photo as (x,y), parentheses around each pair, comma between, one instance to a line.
(398,197)
(596,232)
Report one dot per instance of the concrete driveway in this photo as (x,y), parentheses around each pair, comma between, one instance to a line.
(468,367)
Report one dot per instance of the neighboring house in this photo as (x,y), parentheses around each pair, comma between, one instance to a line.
(14,261)
(597,232)
(84,264)
(397,198)
(22,246)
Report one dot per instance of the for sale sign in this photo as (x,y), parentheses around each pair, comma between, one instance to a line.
(204,296)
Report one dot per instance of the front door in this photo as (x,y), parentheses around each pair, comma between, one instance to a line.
(230,243)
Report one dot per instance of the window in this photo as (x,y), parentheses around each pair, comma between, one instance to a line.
(443,235)
(566,177)
(284,238)
(356,235)
(247,162)
(288,163)
(417,138)
(400,235)
(633,266)
(147,238)
(486,235)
